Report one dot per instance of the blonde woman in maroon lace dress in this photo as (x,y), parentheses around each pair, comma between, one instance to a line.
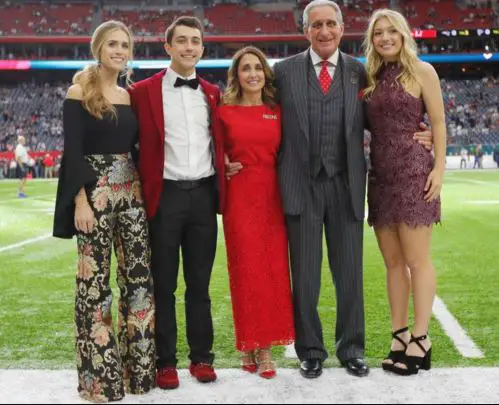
(405,180)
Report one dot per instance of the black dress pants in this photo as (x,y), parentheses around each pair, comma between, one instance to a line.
(186,222)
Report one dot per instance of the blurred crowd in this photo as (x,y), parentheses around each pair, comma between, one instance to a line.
(472,108)
(35,112)
(46,18)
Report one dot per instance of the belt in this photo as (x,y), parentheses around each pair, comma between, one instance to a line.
(190,184)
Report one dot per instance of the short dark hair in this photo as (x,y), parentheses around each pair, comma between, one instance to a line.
(188,21)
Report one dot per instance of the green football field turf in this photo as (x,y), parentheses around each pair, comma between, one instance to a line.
(37,282)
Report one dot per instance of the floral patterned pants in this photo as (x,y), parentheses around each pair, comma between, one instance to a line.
(109,366)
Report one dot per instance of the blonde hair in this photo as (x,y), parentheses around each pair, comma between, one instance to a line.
(233,91)
(408,56)
(89,79)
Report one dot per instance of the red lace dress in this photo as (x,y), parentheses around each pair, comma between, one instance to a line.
(400,165)
(255,230)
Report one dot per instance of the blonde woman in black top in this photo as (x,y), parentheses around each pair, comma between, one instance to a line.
(99,200)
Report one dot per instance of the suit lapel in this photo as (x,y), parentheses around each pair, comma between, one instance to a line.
(300,90)
(155,90)
(350,89)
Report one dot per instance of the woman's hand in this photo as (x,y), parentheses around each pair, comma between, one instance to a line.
(434,185)
(84,216)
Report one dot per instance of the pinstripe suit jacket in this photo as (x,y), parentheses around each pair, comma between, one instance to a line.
(291,79)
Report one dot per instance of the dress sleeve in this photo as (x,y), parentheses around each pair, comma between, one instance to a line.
(136,144)
(75,172)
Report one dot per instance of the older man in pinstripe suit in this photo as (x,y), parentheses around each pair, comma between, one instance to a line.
(322,174)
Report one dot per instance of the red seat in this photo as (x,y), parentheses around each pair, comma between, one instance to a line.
(36,18)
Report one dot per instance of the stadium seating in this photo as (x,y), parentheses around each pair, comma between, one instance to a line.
(472,111)
(41,18)
(471,108)
(356,15)
(34,111)
(145,22)
(237,19)
(444,14)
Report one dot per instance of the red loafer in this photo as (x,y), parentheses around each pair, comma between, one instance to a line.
(204,373)
(167,378)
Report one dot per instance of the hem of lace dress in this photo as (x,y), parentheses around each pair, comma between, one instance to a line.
(249,347)
(411,224)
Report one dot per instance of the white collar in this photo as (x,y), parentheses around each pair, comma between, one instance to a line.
(317,60)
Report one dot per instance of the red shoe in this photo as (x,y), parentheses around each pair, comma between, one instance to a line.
(266,367)
(250,368)
(268,374)
(248,362)
(167,378)
(204,373)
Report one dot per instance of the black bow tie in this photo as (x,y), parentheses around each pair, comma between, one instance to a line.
(192,83)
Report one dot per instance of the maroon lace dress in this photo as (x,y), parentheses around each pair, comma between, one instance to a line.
(400,165)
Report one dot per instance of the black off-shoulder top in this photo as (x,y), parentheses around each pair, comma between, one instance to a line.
(86,135)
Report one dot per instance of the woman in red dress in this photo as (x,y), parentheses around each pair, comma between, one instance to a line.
(249,126)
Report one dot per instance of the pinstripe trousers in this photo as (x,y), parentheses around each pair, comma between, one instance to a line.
(329,208)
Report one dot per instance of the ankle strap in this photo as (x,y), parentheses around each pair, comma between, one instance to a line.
(418,340)
(398,332)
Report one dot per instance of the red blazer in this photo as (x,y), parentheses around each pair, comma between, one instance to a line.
(147,103)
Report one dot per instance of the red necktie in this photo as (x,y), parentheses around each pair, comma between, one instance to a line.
(324,77)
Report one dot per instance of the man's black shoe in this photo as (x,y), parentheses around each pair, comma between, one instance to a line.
(356,367)
(311,368)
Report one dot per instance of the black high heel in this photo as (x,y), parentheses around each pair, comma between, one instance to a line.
(415,363)
(396,356)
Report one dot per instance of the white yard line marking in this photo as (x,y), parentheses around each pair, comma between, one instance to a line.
(458,335)
(24,243)
(32,181)
(483,202)
(463,343)
(35,198)
(478,182)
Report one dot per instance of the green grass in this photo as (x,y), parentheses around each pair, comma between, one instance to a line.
(37,282)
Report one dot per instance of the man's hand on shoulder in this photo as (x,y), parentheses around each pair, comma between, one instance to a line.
(425,137)
(231,168)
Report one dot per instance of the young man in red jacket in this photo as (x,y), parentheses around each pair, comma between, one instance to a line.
(182,171)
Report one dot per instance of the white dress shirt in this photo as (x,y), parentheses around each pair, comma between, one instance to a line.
(317,62)
(188,153)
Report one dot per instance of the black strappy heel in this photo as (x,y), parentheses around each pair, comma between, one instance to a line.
(415,363)
(396,356)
